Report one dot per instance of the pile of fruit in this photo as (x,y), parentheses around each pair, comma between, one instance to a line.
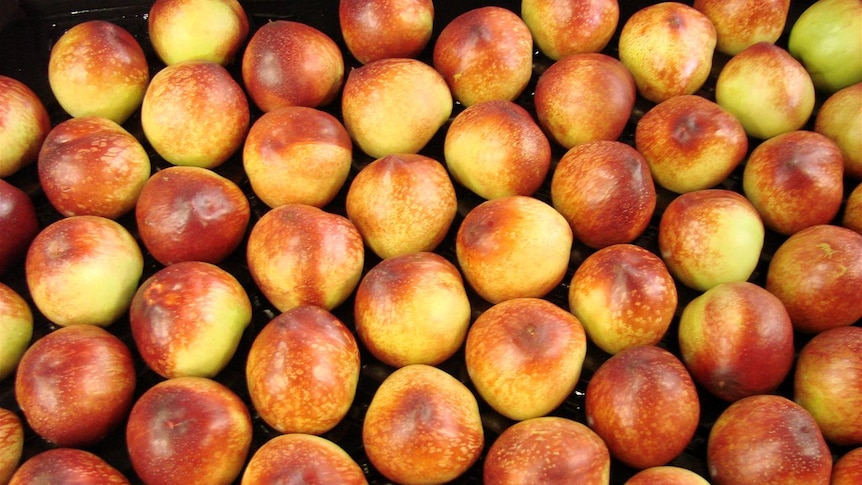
(375,241)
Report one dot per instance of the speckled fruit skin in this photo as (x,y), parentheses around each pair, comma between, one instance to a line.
(848,468)
(561,27)
(302,371)
(385,28)
(188,430)
(723,327)
(668,47)
(638,434)
(711,236)
(195,114)
(828,383)
(191,214)
(187,319)
(16,330)
(289,63)
(316,459)
(741,23)
(839,117)
(299,254)
(402,204)
(422,426)
(20,225)
(767,90)
(67,465)
(97,68)
(54,385)
(11,443)
(525,356)
(206,30)
(412,309)
(83,270)
(795,180)
(584,97)
(551,450)
(92,166)
(605,191)
(24,124)
(624,296)
(411,102)
(513,247)
(297,155)
(495,148)
(767,439)
(817,275)
(690,143)
(485,53)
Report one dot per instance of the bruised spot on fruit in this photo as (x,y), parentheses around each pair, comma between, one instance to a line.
(685,131)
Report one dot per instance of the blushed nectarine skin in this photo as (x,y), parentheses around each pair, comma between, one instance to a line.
(90,165)
(16,329)
(315,459)
(643,403)
(723,327)
(412,309)
(551,450)
(297,155)
(97,68)
(767,440)
(817,275)
(624,296)
(840,118)
(668,47)
(20,223)
(852,218)
(191,214)
(195,114)
(767,90)
(710,236)
(741,23)
(67,465)
(24,124)
(563,27)
(584,97)
(485,53)
(380,29)
(401,204)
(299,254)
(690,143)
(666,475)
(302,371)
(512,247)
(394,106)
(495,148)
(206,30)
(605,191)
(848,468)
(422,426)
(11,443)
(525,356)
(795,180)
(188,430)
(289,63)
(55,385)
(83,270)
(187,319)
(828,383)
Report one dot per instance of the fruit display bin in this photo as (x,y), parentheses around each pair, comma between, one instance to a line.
(28,30)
